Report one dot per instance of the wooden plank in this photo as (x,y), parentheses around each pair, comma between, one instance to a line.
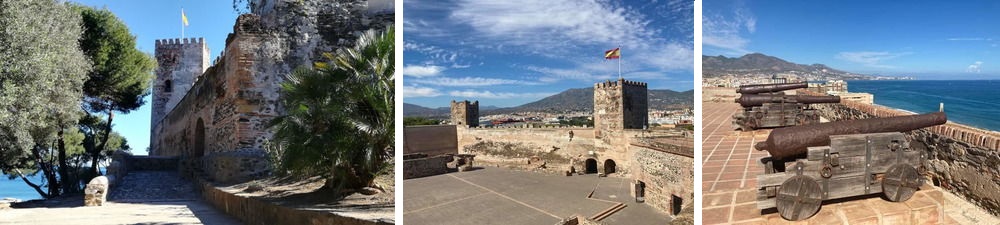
(774,179)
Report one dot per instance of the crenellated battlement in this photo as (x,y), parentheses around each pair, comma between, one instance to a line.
(620,82)
(180,42)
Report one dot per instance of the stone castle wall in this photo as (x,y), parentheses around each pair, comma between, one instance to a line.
(667,177)
(219,124)
(180,63)
(515,147)
(227,108)
(221,112)
(962,159)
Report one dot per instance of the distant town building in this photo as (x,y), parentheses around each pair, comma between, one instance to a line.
(857,97)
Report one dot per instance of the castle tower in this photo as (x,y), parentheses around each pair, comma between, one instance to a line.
(465,113)
(180,63)
(619,105)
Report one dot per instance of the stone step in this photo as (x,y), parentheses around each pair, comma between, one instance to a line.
(607,212)
(150,186)
(925,207)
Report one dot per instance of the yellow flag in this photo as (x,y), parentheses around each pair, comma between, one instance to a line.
(184,17)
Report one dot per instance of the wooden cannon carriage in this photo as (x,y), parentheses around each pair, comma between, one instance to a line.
(813,163)
(766,106)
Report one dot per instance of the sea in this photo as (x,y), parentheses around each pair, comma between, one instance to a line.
(16,188)
(974,103)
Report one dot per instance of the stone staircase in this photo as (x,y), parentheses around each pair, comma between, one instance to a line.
(151,186)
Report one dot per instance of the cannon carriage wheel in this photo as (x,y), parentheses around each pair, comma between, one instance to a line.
(900,182)
(799,198)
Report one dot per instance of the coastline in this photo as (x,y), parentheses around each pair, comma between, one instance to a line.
(971,135)
(970,103)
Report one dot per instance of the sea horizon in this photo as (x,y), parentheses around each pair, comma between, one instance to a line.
(974,103)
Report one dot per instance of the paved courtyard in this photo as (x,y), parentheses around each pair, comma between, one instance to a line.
(504,196)
(143,197)
(729,186)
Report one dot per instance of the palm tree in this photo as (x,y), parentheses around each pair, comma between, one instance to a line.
(340,115)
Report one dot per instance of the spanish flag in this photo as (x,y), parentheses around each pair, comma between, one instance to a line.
(613,53)
(184,17)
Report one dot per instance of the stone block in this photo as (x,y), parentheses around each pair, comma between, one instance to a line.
(96,192)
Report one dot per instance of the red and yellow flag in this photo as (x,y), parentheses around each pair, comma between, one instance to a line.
(613,53)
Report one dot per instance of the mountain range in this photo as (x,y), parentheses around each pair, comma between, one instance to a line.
(576,99)
(757,63)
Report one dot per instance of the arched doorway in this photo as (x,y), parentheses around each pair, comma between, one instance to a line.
(591,166)
(609,166)
(199,139)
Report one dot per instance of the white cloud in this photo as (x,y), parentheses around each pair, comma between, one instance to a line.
(496,95)
(726,33)
(556,74)
(975,67)
(437,55)
(668,57)
(970,39)
(553,23)
(870,58)
(469,81)
(414,91)
(422,71)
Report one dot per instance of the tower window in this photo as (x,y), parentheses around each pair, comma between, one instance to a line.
(167,86)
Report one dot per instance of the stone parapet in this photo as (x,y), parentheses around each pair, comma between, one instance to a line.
(961,159)
(254,211)
(426,166)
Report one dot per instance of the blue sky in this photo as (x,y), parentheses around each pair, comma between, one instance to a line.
(152,20)
(507,53)
(926,39)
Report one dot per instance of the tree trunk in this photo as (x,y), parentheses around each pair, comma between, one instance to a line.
(63,177)
(96,154)
(33,185)
(46,168)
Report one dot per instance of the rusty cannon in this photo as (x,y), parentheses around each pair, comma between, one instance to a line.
(749,100)
(766,106)
(770,88)
(817,162)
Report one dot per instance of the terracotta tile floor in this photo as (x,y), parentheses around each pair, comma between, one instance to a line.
(730,171)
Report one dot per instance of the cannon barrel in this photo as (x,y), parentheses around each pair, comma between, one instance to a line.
(792,141)
(748,100)
(764,88)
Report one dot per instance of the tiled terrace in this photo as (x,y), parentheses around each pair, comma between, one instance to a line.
(729,185)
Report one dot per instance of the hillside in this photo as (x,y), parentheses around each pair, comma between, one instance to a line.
(416,110)
(576,99)
(760,64)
